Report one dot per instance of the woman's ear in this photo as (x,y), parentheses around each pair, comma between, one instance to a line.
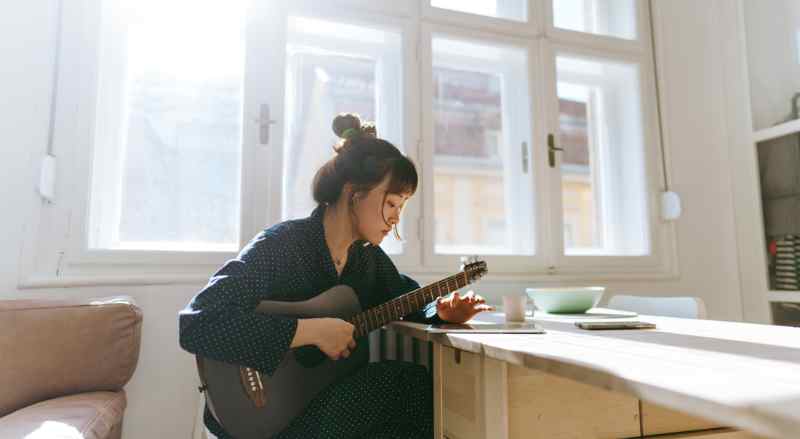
(347,190)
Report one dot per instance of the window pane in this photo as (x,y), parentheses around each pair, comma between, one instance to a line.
(167,164)
(615,18)
(336,68)
(482,189)
(603,178)
(509,9)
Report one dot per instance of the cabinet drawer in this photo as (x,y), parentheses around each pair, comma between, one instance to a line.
(463,399)
(660,420)
(721,433)
(546,406)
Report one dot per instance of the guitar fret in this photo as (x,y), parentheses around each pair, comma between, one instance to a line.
(378,317)
(386,314)
(363,323)
(364,317)
(392,312)
(374,321)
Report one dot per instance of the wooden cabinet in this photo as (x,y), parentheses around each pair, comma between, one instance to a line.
(661,420)
(723,433)
(481,397)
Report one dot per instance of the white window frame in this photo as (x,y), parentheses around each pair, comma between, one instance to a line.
(531,27)
(499,263)
(411,129)
(640,44)
(54,251)
(661,257)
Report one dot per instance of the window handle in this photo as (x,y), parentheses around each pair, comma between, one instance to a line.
(263,124)
(524,157)
(551,150)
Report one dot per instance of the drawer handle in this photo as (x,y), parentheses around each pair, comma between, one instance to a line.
(457,356)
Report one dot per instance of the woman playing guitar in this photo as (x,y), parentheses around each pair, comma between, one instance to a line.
(360,193)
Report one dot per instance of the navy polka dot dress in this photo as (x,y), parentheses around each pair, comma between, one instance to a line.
(290,260)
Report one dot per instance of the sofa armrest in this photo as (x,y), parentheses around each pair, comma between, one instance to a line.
(51,348)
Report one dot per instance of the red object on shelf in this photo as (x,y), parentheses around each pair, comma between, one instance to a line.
(773,247)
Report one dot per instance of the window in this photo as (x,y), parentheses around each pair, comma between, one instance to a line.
(603,183)
(531,123)
(335,67)
(509,9)
(615,18)
(166,165)
(481,126)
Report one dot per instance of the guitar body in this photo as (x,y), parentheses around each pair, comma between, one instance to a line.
(235,392)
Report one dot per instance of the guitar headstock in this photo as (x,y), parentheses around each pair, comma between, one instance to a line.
(473,268)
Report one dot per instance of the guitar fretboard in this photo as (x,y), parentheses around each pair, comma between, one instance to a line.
(373,318)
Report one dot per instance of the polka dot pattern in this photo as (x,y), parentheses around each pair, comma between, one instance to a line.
(389,399)
(291,261)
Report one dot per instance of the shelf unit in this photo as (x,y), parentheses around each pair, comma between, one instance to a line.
(768,134)
(783,296)
(780,130)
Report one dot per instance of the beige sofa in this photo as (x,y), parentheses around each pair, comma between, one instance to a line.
(63,365)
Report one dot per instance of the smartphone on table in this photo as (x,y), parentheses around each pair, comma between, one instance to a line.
(615,325)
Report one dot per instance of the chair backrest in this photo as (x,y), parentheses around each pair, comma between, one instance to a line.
(686,307)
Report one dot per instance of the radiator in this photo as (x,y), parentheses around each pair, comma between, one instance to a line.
(385,344)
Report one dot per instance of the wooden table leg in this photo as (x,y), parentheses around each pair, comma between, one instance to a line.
(438,393)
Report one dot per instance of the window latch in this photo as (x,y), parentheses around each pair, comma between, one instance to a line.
(263,124)
(551,150)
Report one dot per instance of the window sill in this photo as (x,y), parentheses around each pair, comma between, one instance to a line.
(41,281)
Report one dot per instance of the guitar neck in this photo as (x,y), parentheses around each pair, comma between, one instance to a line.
(373,318)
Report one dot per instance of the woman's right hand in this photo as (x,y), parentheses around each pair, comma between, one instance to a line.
(332,336)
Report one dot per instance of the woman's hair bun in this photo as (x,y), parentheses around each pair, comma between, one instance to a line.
(344,122)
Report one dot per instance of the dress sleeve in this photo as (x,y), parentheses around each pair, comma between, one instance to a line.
(221,322)
(394,284)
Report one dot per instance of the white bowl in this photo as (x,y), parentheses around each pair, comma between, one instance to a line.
(566,300)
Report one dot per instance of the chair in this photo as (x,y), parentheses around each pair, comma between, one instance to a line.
(685,307)
(63,365)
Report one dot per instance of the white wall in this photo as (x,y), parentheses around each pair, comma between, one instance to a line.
(162,393)
(773,47)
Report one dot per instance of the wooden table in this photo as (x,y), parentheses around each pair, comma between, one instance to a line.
(700,376)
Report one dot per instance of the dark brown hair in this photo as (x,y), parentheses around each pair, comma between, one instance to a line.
(363,160)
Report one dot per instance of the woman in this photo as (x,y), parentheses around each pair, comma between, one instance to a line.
(360,194)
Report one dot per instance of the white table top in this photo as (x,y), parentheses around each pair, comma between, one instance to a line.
(739,374)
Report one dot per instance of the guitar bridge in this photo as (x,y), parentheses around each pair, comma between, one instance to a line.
(253,386)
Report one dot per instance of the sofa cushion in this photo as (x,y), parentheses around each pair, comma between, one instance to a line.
(91,415)
(52,348)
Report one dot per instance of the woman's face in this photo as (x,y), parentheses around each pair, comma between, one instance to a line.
(373,207)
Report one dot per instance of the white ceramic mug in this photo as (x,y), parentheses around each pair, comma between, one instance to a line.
(514,307)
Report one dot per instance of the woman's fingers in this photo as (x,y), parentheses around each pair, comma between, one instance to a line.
(456,299)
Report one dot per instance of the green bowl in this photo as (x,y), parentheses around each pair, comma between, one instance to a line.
(565,300)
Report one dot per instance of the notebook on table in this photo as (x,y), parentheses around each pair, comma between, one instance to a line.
(527,327)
